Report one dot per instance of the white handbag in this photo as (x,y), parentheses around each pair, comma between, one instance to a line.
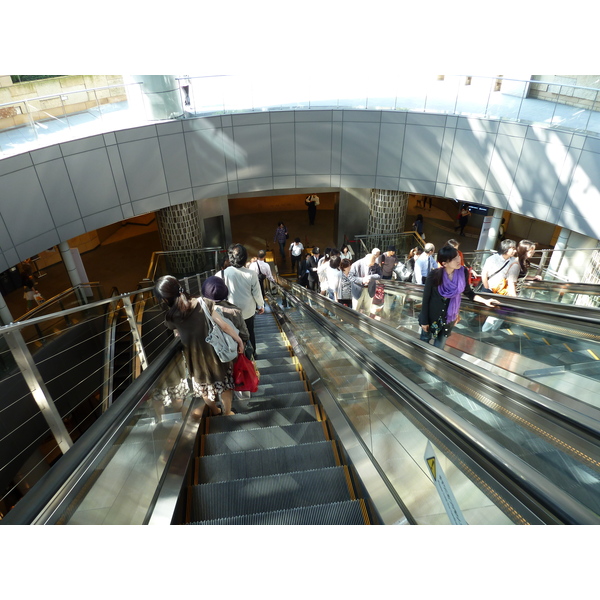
(225,346)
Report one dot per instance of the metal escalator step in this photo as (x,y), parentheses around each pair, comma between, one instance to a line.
(274,361)
(253,403)
(269,493)
(279,378)
(258,463)
(285,368)
(350,512)
(270,389)
(263,438)
(270,353)
(263,418)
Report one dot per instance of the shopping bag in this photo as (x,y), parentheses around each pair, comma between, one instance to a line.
(244,375)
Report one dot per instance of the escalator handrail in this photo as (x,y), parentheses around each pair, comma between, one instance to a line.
(585,418)
(55,486)
(570,312)
(521,474)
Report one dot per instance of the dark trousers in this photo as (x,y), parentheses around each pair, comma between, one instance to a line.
(295,263)
(250,325)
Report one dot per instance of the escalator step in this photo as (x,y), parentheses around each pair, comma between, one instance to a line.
(279,378)
(269,389)
(269,493)
(271,353)
(258,463)
(252,404)
(263,418)
(350,512)
(263,438)
(286,368)
(274,361)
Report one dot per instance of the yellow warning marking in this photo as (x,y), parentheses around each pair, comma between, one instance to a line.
(567,347)
(431,463)
(510,331)
(525,334)
(547,342)
(594,355)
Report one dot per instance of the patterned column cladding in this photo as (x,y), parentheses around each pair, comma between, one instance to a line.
(387,212)
(179,229)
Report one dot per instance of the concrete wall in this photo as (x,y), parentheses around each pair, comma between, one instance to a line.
(56,193)
(19,112)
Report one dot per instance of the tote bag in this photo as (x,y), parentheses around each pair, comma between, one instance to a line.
(224,345)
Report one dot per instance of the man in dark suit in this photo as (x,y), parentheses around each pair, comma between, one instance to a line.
(312,263)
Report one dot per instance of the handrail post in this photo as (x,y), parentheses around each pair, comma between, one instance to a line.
(137,339)
(38,388)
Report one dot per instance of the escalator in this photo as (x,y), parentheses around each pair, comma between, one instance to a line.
(348,417)
(275,462)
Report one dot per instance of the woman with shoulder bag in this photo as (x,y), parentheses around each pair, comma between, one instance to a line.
(185,315)
(441,297)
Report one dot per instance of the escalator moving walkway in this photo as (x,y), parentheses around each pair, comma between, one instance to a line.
(274,462)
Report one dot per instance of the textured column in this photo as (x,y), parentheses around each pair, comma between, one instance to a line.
(179,229)
(387,212)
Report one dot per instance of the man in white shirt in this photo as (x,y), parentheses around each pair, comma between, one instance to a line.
(263,270)
(425,263)
(296,249)
(244,288)
(496,266)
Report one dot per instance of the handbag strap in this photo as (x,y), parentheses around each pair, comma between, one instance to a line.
(207,313)
(498,271)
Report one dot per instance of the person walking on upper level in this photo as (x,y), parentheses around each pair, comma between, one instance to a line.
(463,219)
(425,263)
(418,226)
(296,250)
(281,235)
(312,201)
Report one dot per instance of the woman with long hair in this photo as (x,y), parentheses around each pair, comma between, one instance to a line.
(441,297)
(185,315)
(525,251)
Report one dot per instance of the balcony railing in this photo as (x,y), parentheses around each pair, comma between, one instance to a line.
(545,103)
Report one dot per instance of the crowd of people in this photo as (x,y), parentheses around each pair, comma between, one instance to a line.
(236,294)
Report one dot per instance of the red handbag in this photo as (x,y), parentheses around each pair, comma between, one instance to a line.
(245,377)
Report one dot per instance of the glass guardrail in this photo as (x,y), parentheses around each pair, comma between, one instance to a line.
(402,445)
(49,120)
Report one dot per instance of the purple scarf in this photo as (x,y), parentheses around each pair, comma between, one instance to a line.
(452,288)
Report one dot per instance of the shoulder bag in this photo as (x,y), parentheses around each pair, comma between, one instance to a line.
(502,287)
(224,345)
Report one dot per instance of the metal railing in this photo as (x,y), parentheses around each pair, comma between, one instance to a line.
(53,382)
(184,263)
(52,118)
(568,106)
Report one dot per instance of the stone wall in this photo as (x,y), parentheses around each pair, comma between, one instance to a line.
(554,89)
(18,102)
